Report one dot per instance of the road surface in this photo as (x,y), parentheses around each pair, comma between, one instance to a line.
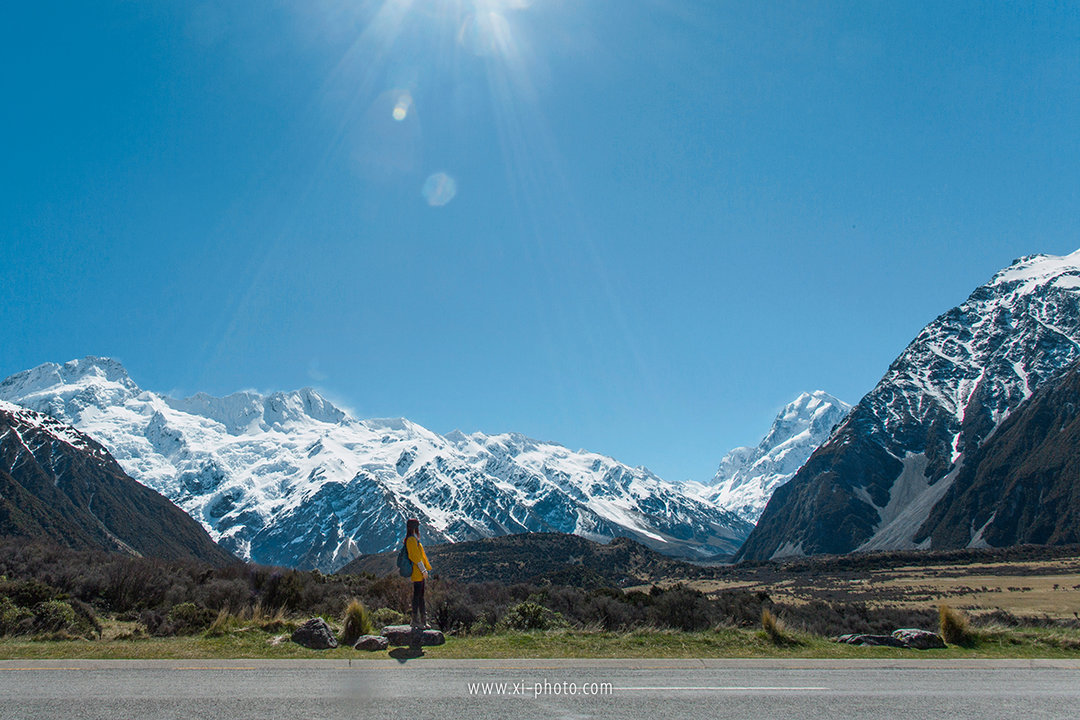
(509,689)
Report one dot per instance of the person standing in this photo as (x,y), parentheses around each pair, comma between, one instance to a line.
(421,568)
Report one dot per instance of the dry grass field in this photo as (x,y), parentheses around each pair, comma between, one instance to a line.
(1025,588)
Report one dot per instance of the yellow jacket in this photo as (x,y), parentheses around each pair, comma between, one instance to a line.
(418,557)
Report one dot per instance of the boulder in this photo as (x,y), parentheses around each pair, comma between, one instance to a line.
(919,639)
(315,634)
(402,635)
(372,642)
(876,640)
(432,637)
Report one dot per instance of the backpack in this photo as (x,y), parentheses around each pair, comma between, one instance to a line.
(404,564)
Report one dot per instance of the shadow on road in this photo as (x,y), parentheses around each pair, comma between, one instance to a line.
(402,654)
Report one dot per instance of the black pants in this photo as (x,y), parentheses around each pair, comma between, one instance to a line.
(418,611)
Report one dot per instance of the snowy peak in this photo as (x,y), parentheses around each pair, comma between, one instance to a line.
(89,382)
(814,414)
(246,412)
(67,391)
(1029,273)
(747,477)
(289,479)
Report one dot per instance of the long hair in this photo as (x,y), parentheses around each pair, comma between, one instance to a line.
(412,527)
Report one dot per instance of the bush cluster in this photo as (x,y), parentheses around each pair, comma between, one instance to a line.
(50,591)
(30,607)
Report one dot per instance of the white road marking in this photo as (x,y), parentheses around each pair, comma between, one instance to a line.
(732,688)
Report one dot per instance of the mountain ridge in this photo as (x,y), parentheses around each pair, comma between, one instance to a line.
(289,479)
(59,485)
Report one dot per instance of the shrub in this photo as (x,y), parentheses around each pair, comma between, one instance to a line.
(357,622)
(680,608)
(14,620)
(28,593)
(739,608)
(285,590)
(53,616)
(954,626)
(188,618)
(386,616)
(528,615)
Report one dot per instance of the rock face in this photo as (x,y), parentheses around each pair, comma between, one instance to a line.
(289,479)
(406,635)
(889,467)
(59,485)
(748,476)
(372,643)
(315,634)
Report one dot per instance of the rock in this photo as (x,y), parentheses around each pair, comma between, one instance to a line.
(433,637)
(401,635)
(876,640)
(315,634)
(372,642)
(919,639)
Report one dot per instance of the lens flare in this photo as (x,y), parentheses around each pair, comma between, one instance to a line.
(402,107)
(439,189)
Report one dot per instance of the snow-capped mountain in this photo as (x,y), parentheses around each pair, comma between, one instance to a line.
(58,485)
(748,476)
(290,479)
(875,482)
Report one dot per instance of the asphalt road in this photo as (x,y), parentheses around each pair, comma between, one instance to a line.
(570,689)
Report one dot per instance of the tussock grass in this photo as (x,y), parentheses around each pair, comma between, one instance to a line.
(357,622)
(773,627)
(955,629)
(253,617)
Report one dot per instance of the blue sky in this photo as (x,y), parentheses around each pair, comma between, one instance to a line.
(647,225)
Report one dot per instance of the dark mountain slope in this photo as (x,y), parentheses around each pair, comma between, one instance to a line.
(59,485)
(1023,485)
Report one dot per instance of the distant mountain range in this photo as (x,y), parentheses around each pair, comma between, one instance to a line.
(969,440)
(931,457)
(289,479)
(58,485)
(748,476)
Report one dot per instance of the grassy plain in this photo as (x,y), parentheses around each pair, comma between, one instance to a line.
(722,642)
(1049,588)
